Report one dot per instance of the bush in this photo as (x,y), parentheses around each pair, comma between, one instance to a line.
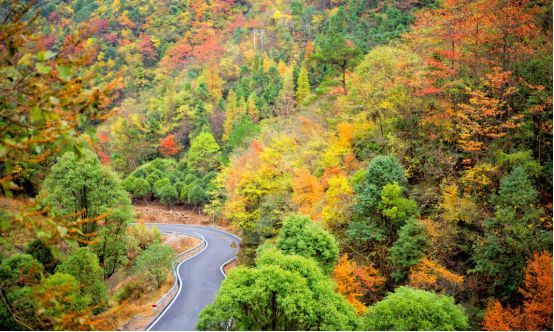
(144,235)
(130,291)
(73,299)
(410,309)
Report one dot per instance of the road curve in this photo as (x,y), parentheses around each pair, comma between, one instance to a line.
(201,278)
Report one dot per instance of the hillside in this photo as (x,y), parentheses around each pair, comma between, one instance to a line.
(378,155)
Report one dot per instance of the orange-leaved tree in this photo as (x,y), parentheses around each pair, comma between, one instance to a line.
(168,146)
(353,281)
(536,312)
(430,275)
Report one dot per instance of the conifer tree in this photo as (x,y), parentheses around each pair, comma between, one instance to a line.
(303,86)
(231,114)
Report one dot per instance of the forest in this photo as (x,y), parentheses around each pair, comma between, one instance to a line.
(387,163)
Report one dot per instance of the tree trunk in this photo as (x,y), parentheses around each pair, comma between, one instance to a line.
(344,80)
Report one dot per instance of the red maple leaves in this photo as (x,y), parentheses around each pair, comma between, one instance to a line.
(168,147)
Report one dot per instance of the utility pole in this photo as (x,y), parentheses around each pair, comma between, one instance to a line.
(262,33)
(255,31)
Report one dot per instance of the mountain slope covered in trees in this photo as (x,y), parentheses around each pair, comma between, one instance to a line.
(388,156)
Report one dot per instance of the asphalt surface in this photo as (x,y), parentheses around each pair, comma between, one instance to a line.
(201,278)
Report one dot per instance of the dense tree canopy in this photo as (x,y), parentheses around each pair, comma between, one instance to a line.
(285,292)
(411,138)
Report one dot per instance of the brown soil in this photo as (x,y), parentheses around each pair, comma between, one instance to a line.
(154,212)
(157,213)
(228,267)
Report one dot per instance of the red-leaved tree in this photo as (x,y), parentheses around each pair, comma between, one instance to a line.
(168,147)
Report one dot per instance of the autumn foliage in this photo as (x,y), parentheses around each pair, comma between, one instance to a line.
(536,312)
(168,147)
(429,275)
(353,281)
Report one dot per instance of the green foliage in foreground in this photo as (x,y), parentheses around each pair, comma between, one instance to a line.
(17,291)
(300,236)
(285,292)
(410,309)
(84,266)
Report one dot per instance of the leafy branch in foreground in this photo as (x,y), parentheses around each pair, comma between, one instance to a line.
(45,100)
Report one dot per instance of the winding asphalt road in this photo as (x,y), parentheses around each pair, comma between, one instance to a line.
(200,275)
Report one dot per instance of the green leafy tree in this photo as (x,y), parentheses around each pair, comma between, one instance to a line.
(155,263)
(409,249)
(140,173)
(200,119)
(300,236)
(168,195)
(84,266)
(339,53)
(203,155)
(157,187)
(179,187)
(513,234)
(113,240)
(158,164)
(241,130)
(152,179)
(129,184)
(15,288)
(380,209)
(410,309)
(43,255)
(141,188)
(296,7)
(197,195)
(83,185)
(284,292)
(70,288)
